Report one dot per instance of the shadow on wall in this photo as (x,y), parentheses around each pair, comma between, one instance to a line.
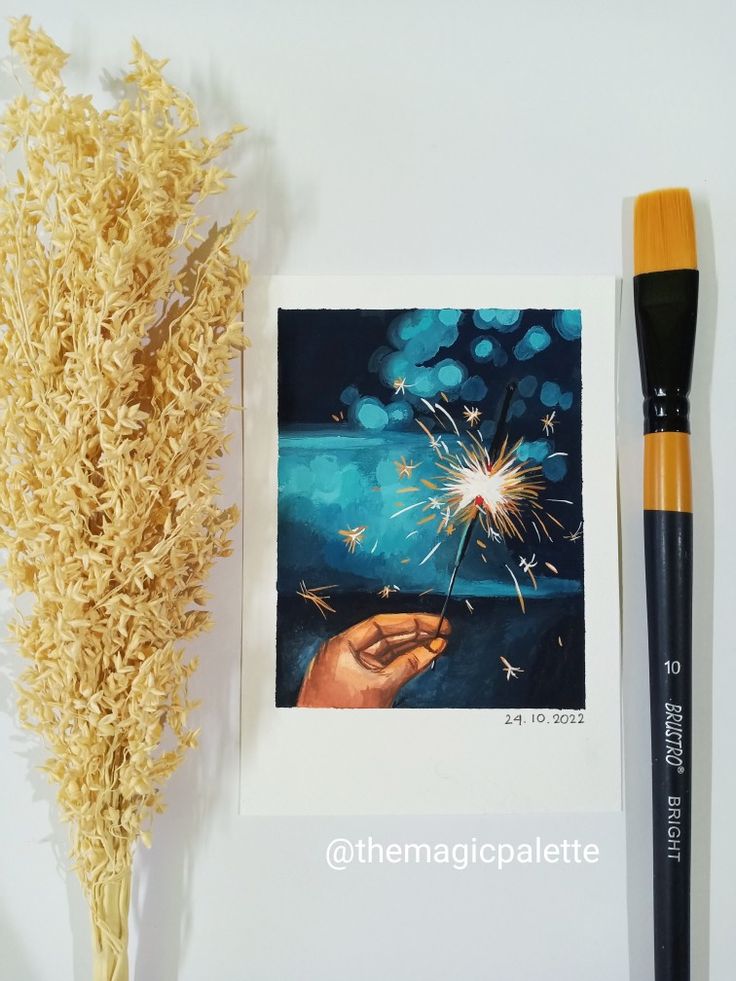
(13,951)
(256,184)
(207,782)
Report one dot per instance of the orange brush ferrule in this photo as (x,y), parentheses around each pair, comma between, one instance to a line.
(667,477)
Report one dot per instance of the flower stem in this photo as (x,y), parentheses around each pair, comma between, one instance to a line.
(111,903)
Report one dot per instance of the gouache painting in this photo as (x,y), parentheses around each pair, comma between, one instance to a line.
(430,511)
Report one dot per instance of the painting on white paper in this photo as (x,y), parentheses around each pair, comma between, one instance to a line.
(421,448)
(433,470)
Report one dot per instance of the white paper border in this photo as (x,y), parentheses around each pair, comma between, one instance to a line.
(430,761)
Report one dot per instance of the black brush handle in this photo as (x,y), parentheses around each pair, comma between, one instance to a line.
(668,552)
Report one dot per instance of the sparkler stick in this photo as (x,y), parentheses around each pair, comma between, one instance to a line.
(465,538)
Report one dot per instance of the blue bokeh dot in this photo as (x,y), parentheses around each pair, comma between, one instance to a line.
(555,468)
(568,324)
(527,386)
(369,413)
(535,340)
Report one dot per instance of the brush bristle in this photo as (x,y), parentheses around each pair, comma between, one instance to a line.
(664,231)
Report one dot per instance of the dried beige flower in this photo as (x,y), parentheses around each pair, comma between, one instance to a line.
(114,366)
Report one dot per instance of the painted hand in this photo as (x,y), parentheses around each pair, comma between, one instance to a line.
(366,665)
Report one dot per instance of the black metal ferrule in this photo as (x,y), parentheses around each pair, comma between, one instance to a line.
(666,307)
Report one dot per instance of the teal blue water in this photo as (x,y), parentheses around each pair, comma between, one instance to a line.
(334,481)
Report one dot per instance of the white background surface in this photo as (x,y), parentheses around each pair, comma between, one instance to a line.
(428,137)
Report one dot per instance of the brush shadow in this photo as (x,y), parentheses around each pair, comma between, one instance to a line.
(703,592)
(637,755)
(635,685)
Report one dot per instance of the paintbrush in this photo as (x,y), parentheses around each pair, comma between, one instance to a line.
(666,301)
(467,532)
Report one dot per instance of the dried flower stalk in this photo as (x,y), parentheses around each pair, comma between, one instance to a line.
(114,366)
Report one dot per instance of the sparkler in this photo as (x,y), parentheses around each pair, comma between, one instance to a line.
(492,486)
(477,488)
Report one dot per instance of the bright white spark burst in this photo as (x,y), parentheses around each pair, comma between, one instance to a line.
(548,423)
(472,416)
(497,490)
(503,494)
(400,386)
(511,671)
(353,537)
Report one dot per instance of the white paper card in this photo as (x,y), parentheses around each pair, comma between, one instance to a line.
(403,434)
